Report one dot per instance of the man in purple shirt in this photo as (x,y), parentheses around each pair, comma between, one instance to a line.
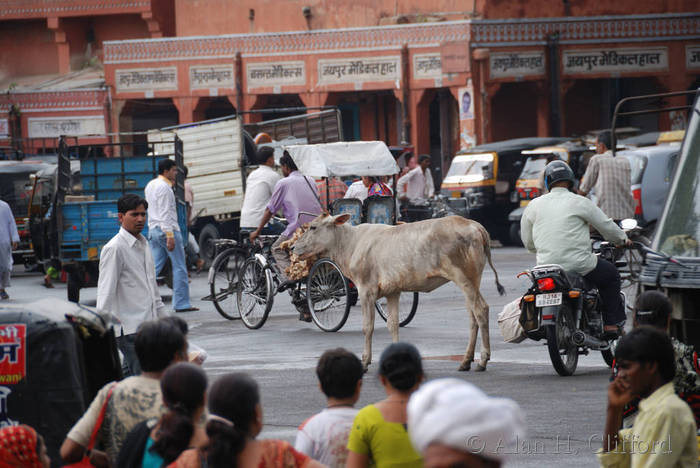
(296,195)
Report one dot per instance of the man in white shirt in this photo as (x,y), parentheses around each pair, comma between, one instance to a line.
(556,227)
(259,187)
(414,188)
(9,239)
(358,189)
(126,288)
(164,235)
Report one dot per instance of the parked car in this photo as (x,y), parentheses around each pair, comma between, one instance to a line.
(653,168)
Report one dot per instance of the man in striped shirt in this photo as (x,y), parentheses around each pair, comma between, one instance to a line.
(612,178)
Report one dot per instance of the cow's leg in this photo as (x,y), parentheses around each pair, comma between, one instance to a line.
(367,300)
(392,319)
(471,345)
(481,313)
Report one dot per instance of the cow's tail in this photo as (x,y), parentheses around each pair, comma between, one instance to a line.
(487,250)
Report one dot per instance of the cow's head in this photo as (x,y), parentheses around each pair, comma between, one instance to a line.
(320,236)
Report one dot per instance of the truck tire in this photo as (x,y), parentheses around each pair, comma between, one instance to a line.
(207,250)
(73,286)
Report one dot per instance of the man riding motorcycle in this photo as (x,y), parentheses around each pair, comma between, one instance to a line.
(556,227)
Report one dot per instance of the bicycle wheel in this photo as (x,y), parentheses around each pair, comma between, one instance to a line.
(254,296)
(225,281)
(327,295)
(408,304)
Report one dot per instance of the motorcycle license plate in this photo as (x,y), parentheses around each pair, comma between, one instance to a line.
(551,299)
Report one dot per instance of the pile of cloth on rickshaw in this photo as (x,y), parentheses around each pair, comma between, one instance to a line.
(298,268)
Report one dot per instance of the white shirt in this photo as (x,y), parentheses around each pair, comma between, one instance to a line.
(324,436)
(259,187)
(162,212)
(416,185)
(556,227)
(357,190)
(127,289)
(8,235)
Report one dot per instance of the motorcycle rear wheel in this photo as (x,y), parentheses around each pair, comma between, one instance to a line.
(562,351)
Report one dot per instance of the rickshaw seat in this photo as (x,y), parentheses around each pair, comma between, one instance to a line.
(379,209)
(351,206)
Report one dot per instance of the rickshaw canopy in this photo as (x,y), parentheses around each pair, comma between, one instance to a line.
(344,158)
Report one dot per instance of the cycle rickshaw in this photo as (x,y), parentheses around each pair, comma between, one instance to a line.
(243,281)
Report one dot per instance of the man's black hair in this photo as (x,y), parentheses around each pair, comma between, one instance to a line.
(646,344)
(605,138)
(653,308)
(338,371)
(186,171)
(157,343)
(178,322)
(165,165)
(424,157)
(265,153)
(286,160)
(130,201)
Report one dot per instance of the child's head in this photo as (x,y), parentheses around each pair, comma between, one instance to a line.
(653,308)
(400,364)
(340,373)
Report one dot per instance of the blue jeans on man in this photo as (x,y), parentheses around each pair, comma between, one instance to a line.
(181,287)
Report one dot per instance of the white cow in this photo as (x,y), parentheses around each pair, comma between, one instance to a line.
(385,260)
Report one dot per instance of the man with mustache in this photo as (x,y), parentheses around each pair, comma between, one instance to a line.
(126,288)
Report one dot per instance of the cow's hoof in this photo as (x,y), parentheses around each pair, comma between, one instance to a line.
(480,368)
(465,367)
(365,368)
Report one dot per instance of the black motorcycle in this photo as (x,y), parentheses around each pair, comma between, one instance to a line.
(566,310)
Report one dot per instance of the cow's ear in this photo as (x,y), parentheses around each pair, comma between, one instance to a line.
(341,219)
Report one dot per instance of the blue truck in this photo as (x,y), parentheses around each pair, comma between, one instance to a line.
(84,210)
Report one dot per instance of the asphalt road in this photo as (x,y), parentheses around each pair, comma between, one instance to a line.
(564,416)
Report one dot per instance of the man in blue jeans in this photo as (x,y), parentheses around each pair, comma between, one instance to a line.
(164,235)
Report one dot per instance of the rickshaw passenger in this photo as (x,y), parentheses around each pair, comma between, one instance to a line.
(358,189)
(293,194)
(378,187)
(415,187)
(259,187)
(336,190)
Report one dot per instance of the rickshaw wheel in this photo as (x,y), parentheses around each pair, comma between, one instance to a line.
(407,310)
(255,295)
(327,295)
(225,282)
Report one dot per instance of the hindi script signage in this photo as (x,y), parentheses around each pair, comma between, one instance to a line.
(269,74)
(52,127)
(692,57)
(513,64)
(211,76)
(142,79)
(427,66)
(612,60)
(353,70)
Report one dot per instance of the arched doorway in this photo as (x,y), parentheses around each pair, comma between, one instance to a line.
(443,119)
(514,111)
(141,115)
(367,115)
(213,108)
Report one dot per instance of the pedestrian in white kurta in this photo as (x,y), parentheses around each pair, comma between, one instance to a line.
(9,238)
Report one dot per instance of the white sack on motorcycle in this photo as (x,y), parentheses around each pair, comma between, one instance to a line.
(509,323)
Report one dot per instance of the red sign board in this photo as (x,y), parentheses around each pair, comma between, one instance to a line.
(454,57)
(13,353)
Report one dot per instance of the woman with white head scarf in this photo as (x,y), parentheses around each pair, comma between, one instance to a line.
(454,424)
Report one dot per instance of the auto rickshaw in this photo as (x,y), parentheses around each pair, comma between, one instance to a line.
(530,184)
(483,178)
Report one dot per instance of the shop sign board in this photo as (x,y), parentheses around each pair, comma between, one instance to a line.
(359,69)
(515,64)
(211,76)
(271,74)
(146,79)
(615,60)
(427,66)
(53,127)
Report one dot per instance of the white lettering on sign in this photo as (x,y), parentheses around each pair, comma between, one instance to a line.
(427,66)
(146,80)
(4,128)
(626,60)
(52,127)
(513,64)
(692,58)
(211,76)
(274,74)
(354,70)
